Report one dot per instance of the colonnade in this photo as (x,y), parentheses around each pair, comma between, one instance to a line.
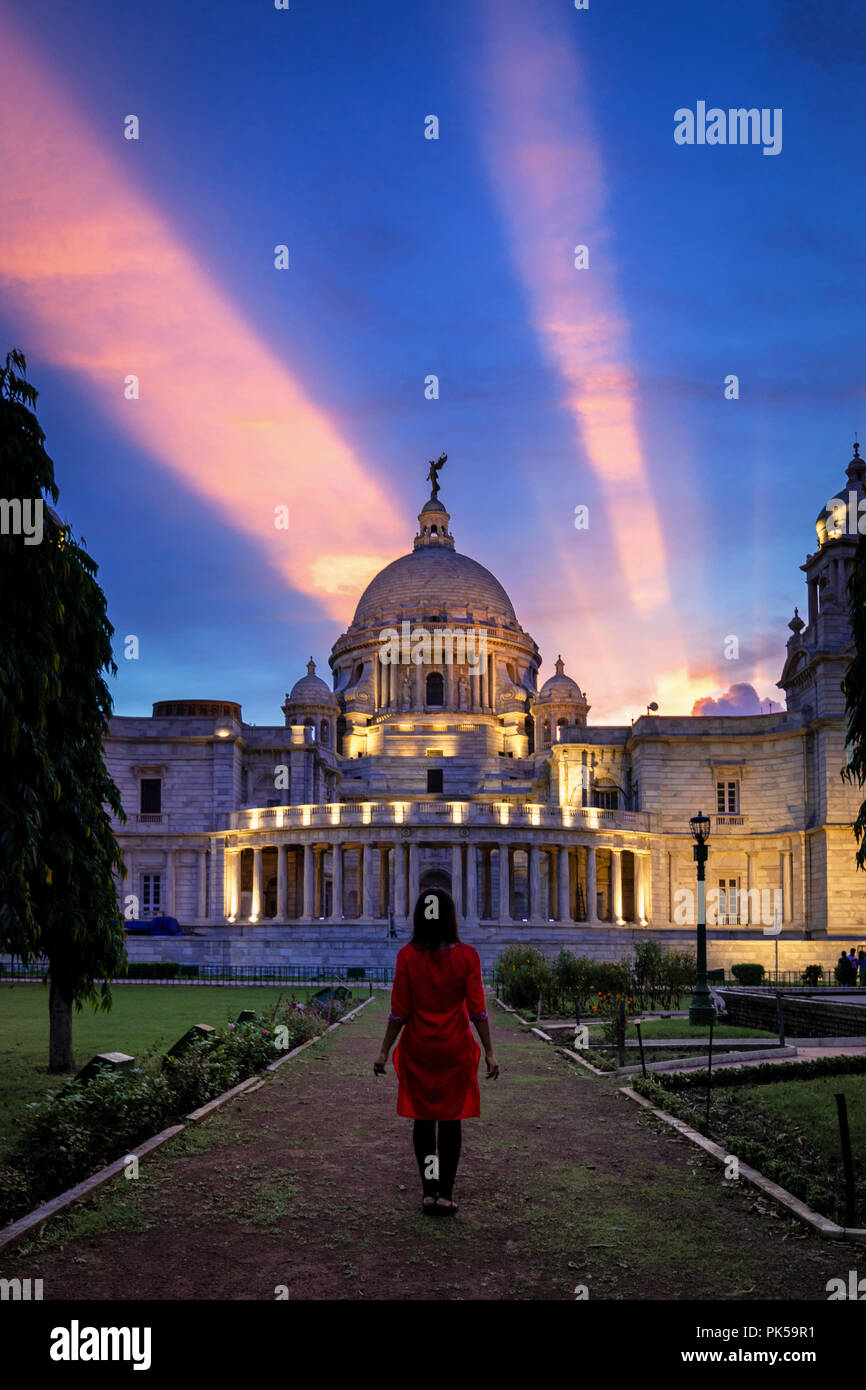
(400,688)
(387,877)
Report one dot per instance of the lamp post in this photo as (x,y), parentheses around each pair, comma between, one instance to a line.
(701,1008)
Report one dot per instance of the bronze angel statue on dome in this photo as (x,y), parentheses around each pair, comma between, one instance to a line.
(433,475)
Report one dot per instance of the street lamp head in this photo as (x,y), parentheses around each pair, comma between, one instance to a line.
(700,825)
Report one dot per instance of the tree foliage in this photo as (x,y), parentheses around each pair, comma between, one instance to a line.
(58,853)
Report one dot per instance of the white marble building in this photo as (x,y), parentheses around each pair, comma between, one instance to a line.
(303,842)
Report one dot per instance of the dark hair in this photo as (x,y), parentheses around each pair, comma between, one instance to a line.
(429,933)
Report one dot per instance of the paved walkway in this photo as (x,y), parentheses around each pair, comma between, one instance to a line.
(309,1183)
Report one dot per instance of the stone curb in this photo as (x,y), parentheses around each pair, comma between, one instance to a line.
(11,1235)
(829,1230)
(575,1057)
(508,1009)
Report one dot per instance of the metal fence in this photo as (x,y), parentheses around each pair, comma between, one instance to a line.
(218,974)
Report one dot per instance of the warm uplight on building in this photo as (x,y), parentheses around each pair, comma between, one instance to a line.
(335,813)
(254,820)
(456,813)
(399,813)
(254,916)
(223,733)
(305,815)
(503,813)
(566,816)
(535,815)
(366,813)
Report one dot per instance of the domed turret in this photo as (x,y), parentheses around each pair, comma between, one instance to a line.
(559,702)
(835,521)
(314,704)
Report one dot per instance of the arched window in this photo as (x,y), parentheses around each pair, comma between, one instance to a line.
(311,724)
(529,727)
(545,733)
(561,724)
(325,732)
(341,732)
(435,689)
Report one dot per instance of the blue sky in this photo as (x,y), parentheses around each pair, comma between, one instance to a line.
(411,256)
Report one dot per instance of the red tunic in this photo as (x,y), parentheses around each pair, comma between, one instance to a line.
(435,994)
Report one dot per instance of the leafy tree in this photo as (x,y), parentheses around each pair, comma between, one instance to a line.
(58,853)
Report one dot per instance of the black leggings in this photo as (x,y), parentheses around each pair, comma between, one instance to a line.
(424,1141)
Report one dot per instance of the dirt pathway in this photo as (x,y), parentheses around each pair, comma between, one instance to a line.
(310,1183)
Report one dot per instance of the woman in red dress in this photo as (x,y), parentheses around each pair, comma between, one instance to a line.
(437,990)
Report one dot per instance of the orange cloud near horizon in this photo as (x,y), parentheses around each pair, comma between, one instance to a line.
(109,291)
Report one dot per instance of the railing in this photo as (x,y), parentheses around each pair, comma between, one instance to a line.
(478,813)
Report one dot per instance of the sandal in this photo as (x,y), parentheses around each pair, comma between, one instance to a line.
(446,1205)
(428,1205)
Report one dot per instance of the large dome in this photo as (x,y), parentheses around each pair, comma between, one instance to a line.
(437,579)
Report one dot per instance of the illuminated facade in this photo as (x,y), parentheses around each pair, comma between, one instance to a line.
(310,841)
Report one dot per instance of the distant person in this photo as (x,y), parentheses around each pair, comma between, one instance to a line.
(854,965)
(861,968)
(842,970)
(437,991)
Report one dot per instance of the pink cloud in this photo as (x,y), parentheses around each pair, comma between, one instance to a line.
(107,290)
(741,698)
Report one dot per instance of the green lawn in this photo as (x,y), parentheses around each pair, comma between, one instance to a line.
(143,1016)
(811,1106)
(681,1028)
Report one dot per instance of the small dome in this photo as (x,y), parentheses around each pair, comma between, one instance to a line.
(312,690)
(560,686)
(832,522)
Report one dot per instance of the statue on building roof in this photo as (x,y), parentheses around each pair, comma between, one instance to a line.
(433,475)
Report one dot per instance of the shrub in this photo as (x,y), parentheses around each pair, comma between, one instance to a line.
(573,977)
(86,1125)
(524,974)
(152,969)
(748,974)
(813,974)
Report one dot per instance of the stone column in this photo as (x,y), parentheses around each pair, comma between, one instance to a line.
(384,880)
(281,883)
(491,682)
(309,883)
(367,911)
(450,687)
(399,882)
(563,883)
(420,689)
(319,881)
(232,882)
(256,905)
(486,883)
(747,917)
(616,884)
(170,908)
(474,688)
(470,907)
(534,882)
(414,876)
(504,885)
(457,879)
(789,887)
(336,883)
(591,905)
(638,887)
(202,884)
